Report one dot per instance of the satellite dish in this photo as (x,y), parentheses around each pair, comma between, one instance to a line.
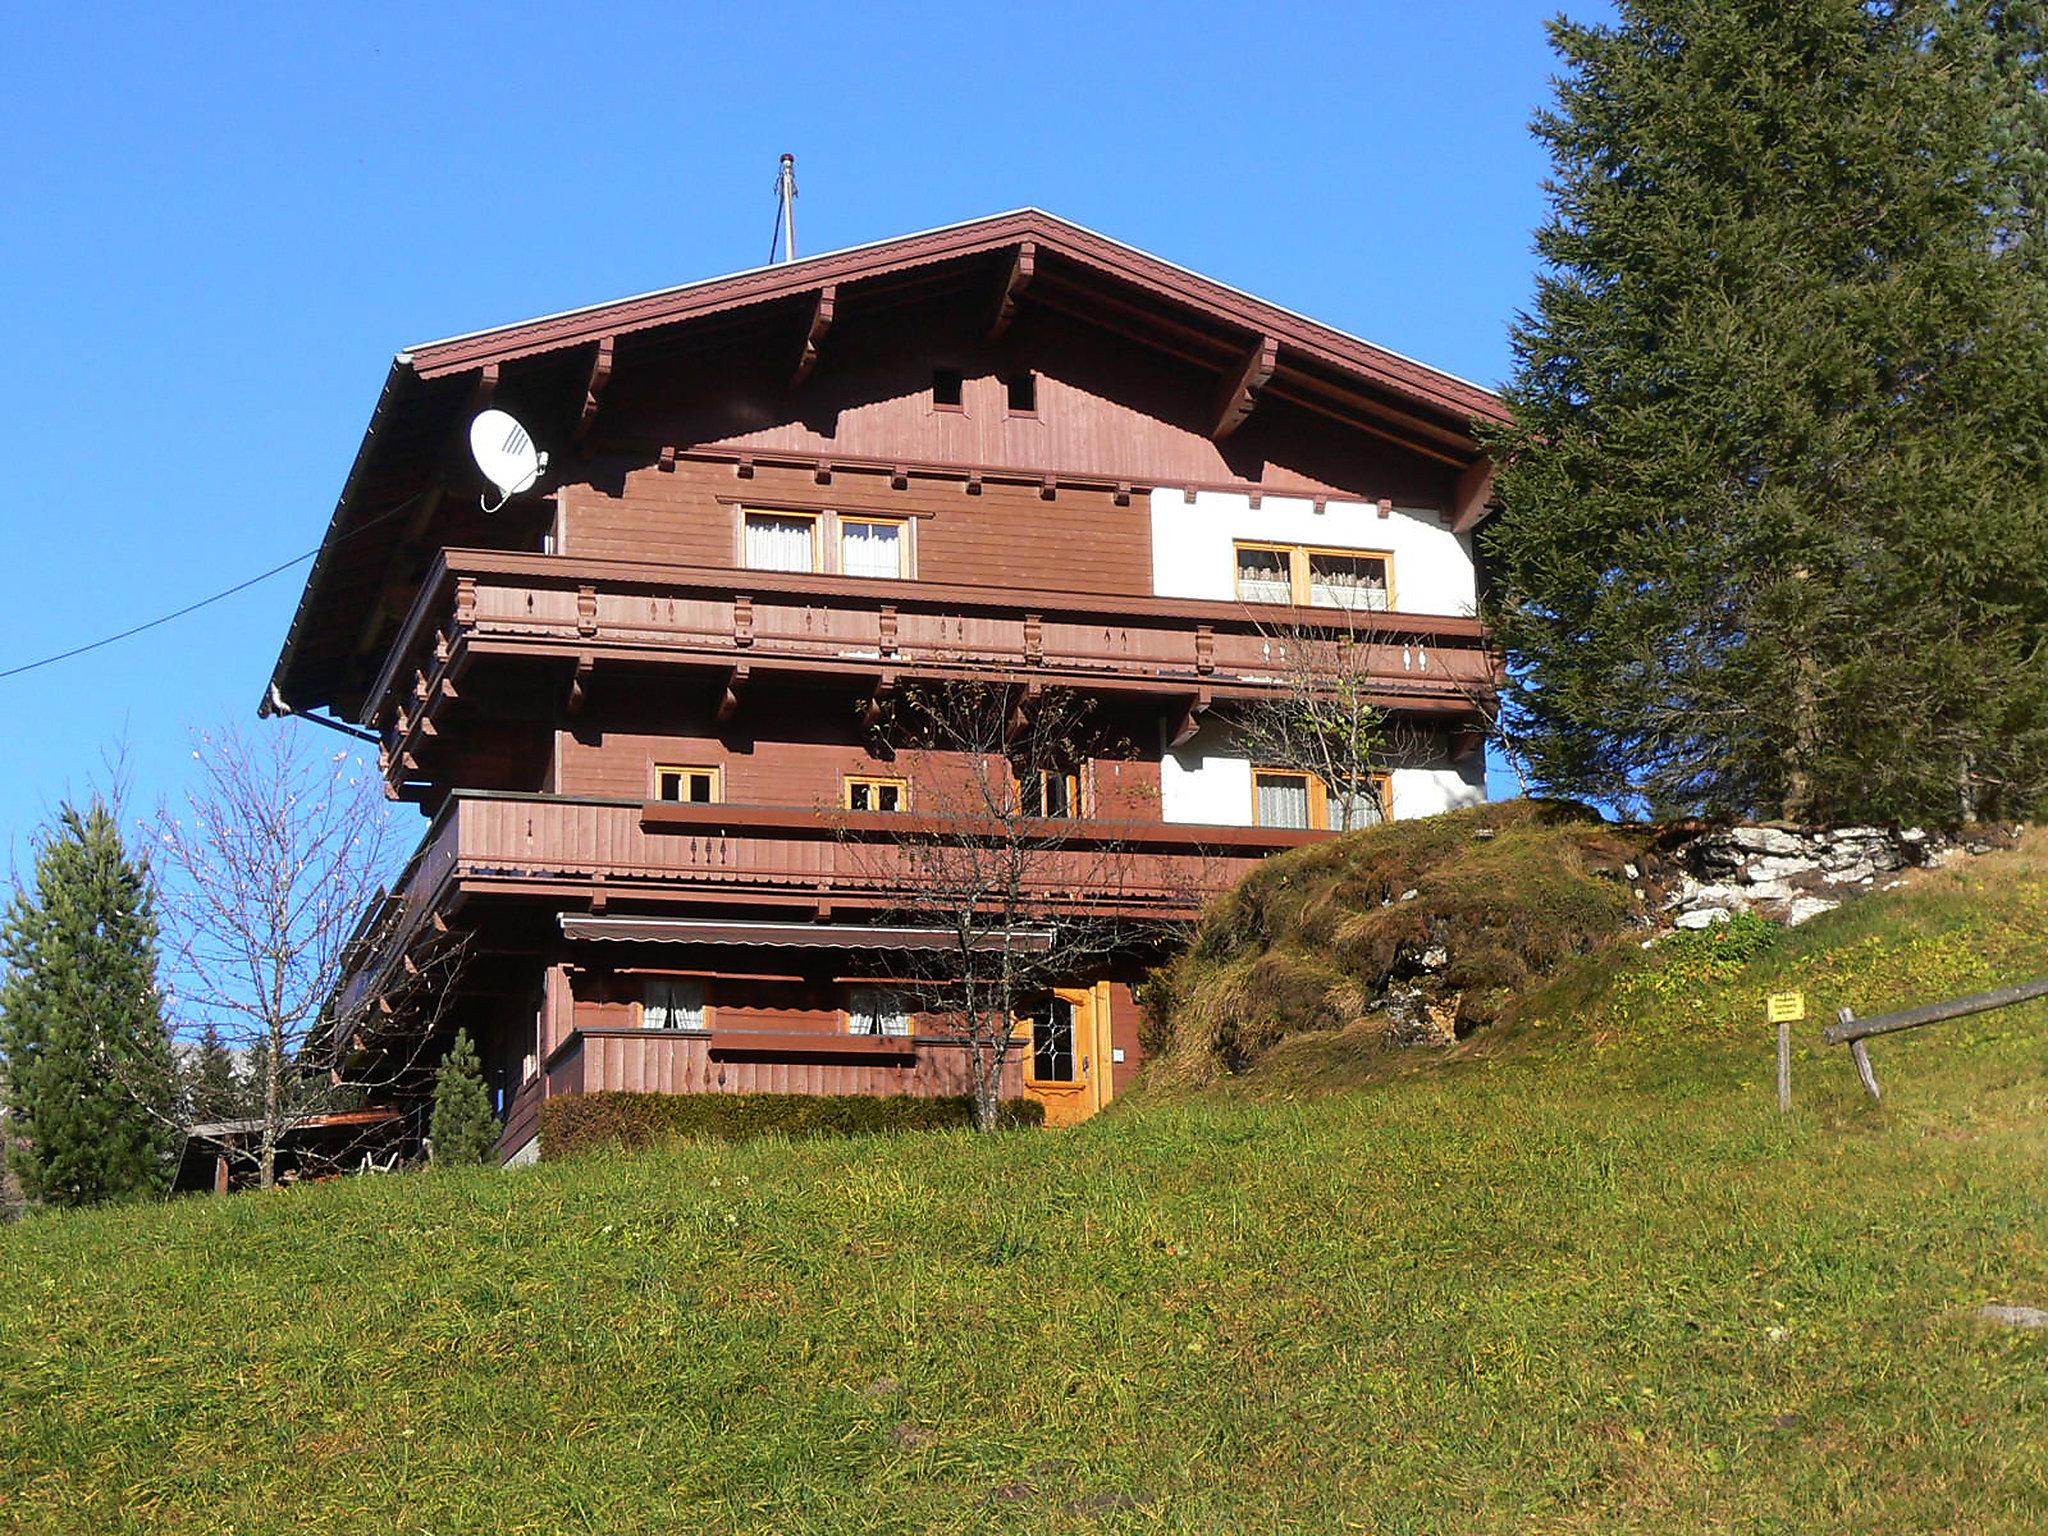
(505,453)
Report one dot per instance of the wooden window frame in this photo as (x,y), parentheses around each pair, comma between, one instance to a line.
(717,781)
(1074,1052)
(903,1000)
(792,514)
(906,543)
(1077,791)
(1010,380)
(1318,796)
(1298,580)
(653,979)
(875,781)
(957,407)
(828,556)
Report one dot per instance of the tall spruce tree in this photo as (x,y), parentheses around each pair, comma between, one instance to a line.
(464,1127)
(1774,535)
(89,1078)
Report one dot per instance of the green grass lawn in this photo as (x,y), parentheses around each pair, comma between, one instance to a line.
(1579,1278)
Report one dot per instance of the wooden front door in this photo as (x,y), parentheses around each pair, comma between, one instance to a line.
(1066,1054)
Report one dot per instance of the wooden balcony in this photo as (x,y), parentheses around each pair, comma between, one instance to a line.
(741,623)
(714,855)
(704,1061)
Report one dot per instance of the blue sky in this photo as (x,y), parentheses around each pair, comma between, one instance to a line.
(222,221)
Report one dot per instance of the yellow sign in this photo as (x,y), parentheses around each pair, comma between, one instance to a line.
(1785,1007)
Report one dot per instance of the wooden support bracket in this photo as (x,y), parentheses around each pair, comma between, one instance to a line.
(1472,495)
(1191,719)
(1240,392)
(593,389)
(822,306)
(579,685)
(880,700)
(735,687)
(1017,275)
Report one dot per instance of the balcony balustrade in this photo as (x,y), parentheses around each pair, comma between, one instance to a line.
(476,603)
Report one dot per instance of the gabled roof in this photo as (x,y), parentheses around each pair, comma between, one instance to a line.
(1051,236)
(1254,349)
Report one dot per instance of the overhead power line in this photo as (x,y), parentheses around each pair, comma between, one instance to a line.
(204,602)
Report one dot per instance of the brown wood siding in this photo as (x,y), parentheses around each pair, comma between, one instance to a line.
(661,1061)
(1105,407)
(1124,1017)
(1009,535)
(522,1119)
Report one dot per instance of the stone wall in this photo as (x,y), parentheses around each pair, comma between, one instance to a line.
(1789,874)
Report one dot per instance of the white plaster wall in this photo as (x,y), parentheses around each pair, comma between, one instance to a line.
(1192,555)
(1203,781)
(1206,780)
(1431,791)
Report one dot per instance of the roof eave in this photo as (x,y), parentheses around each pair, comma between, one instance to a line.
(401,369)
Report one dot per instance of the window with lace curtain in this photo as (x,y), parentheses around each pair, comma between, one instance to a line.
(877,1011)
(779,541)
(1287,797)
(672,1002)
(1359,580)
(835,543)
(872,546)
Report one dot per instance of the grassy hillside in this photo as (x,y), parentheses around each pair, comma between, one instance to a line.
(1575,1277)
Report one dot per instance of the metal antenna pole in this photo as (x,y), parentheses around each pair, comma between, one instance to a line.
(785,194)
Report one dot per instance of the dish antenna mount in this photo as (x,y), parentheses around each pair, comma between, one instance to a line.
(504,451)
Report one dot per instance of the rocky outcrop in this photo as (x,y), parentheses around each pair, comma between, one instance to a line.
(1789,874)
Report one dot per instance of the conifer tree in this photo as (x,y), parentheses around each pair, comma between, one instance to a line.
(89,1078)
(1774,535)
(464,1127)
(214,1091)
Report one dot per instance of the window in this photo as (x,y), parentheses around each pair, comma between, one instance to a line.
(871,794)
(779,541)
(1048,792)
(877,1011)
(1263,575)
(1318,578)
(1287,797)
(692,786)
(852,543)
(873,546)
(948,387)
(1022,392)
(1370,805)
(1052,1041)
(672,1002)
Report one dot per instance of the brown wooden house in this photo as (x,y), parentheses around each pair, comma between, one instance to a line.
(635,705)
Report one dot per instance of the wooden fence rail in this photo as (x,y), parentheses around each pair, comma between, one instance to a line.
(1851,1031)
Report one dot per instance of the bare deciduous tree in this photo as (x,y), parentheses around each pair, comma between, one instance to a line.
(1321,718)
(268,868)
(994,850)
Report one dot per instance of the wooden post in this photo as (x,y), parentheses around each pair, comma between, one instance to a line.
(1785,1009)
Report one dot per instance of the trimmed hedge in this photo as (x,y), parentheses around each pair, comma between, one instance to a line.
(583,1122)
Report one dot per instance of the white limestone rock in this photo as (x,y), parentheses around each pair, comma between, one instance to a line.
(1767,840)
(1702,917)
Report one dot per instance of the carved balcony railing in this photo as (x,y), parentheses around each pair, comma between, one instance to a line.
(592,613)
(674,856)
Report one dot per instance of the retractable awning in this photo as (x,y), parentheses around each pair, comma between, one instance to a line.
(695,930)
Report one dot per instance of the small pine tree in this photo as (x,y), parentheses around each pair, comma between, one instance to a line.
(90,1084)
(213,1090)
(465,1128)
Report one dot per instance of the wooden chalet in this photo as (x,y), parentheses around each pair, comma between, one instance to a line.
(634,705)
